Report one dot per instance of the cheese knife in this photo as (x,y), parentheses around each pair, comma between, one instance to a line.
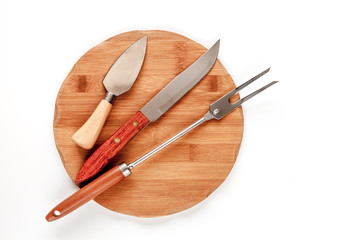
(156,107)
(217,110)
(119,79)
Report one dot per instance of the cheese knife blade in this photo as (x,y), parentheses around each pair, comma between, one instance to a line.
(126,69)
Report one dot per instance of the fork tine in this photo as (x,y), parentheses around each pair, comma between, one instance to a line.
(242,100)
(222,106)
(251,80)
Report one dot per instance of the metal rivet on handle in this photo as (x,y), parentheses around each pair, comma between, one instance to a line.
(216,111)
(117,140)
(135,123)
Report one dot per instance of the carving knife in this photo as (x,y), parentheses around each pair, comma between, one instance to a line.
(156,107)
(217,110)
(119,79)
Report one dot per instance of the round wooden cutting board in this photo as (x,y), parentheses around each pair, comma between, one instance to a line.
(184,173)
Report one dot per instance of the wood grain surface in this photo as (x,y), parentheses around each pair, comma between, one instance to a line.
(184,173)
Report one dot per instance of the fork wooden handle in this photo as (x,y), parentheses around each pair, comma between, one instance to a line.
(85,194)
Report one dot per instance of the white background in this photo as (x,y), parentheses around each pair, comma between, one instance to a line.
(297,173)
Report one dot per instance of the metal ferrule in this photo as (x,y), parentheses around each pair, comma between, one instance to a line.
(124,169)
(110,97)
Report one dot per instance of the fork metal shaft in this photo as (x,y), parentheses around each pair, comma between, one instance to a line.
(171,140)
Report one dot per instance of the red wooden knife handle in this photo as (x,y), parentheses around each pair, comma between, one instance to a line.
(111,147)
(85,194)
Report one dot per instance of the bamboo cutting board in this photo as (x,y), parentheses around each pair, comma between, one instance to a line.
(184,173)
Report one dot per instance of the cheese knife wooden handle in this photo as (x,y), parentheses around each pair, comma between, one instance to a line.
(86,136)
(89,192)
(112,146)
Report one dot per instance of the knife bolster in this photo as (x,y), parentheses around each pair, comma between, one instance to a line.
(109,97)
